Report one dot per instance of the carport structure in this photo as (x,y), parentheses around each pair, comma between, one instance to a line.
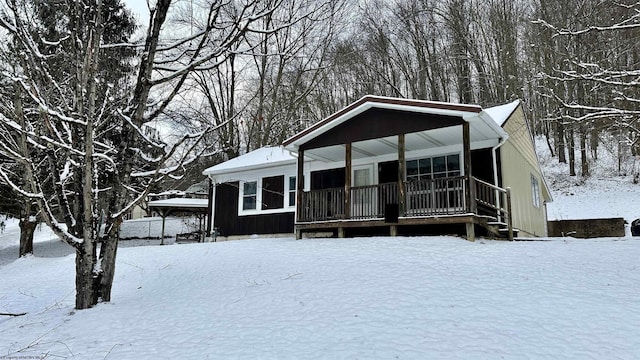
(179,206)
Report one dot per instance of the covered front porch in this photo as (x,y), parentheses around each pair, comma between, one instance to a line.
(390,164)
(459,200)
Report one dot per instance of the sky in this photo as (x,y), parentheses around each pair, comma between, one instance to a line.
(140,8)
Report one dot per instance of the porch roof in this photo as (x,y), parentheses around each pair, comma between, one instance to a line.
(438,128)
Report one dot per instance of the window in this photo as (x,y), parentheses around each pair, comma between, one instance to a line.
(435,167)
(292,190)
(273,192)
(249,195)
(267,195)
(535,191)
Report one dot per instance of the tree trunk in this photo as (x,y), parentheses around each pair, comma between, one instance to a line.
(86,279)
(560,143)
(108,252)
(584,161)
(594,142)
(572,152)
(27,228)
(547,137)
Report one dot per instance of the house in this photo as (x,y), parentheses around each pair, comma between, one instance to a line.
(253,194)
(390,166)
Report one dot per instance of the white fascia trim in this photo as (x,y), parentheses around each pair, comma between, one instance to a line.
(213,174)
(487,119)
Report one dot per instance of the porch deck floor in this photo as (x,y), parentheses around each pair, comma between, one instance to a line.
(403,220)
(467,219)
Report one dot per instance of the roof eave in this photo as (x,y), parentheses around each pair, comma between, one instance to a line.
(248,168)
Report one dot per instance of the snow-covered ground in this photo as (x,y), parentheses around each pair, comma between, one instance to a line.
(363,298)
(140,232)
(605,194)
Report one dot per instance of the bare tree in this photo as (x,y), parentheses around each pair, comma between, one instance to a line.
(594,77)
(97,155)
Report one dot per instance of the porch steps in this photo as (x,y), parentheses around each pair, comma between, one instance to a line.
(499,229)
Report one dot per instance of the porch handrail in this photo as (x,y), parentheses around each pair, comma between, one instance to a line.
(491,196)
(323,204)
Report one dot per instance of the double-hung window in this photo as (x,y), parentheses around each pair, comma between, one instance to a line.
(292,190)
(249,195)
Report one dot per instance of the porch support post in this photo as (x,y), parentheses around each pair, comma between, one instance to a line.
(347,181)
(509,215)
(469,194)
(299,191)
(401,171)
(471,232)
(211,209)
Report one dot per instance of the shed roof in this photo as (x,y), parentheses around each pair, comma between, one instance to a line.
(178,203)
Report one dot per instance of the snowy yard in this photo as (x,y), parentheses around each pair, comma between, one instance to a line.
(365,298)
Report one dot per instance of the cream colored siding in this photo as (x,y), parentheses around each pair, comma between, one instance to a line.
(519,163)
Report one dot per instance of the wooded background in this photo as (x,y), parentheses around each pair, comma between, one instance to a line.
(573,63)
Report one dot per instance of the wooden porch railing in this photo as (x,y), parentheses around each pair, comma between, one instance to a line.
(369,201)
(441,196)
(428,197)
(322,205)
(494,200)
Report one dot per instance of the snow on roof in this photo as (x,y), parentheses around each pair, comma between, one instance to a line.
(501,113)
(180,203)
(260,158)
(168,192)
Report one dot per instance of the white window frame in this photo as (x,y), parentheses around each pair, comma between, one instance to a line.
(258,211)
(535,191)
(288,191)
(258,195)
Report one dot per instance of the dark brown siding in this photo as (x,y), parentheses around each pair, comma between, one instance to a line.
(482,168)
(482,165)
(377,100)
(229,223)
(327,179)
(378,123)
